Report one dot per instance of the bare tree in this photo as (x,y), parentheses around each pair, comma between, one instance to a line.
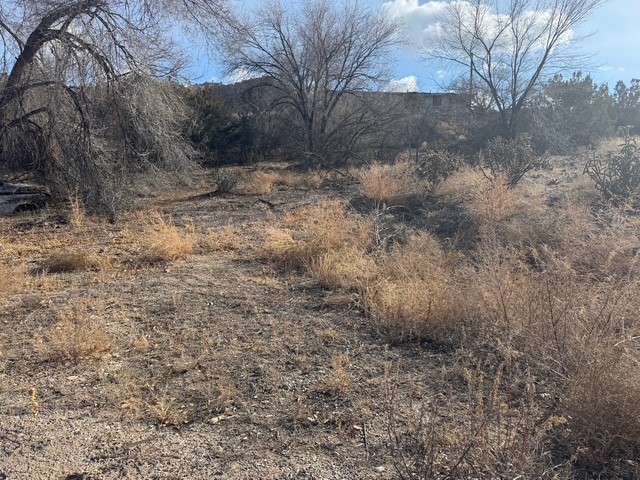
(510,46)
(320,58)
(79,95)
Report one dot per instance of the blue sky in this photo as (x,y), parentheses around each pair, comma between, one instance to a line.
(613,39)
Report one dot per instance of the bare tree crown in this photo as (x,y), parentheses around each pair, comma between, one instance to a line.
(314,56)
(510,46)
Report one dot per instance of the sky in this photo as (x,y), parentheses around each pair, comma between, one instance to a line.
(611,36)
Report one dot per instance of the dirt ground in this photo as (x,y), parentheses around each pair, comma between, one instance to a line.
(215,366)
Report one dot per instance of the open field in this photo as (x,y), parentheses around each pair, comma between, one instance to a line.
(323,327)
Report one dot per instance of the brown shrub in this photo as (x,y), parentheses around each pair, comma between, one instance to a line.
(345,268)
(311,232)
(69,261)
(78,334)
(226,238)
(417,293)
(339,379)
(258,183)
(602,404)
(384,182)
(12,280)
(164,242)
(300,181)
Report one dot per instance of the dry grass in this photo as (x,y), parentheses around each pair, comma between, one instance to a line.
(338,379)
(263,182)
(164,242)
(300,181)
(13,279)
(309,233)
(384,182)
(78,334)
(77,214)
(345,268)
(602,403)
(69,261)
(224,239)
(489,200)
(417,293)
(258,183)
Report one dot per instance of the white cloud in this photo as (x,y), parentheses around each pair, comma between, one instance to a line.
(406,84)
(622,69)
(238,75)
(421,22)
(441,74)
(605,68)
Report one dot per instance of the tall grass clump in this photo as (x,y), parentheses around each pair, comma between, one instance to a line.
(387,181)
(165,242)
(417,292)
(309,233)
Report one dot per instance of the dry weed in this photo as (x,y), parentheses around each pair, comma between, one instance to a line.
(13,279)
(417,293)
(300,181)
(258,183)
(226,238)
(408,311)
(345,268)
(308,233)
(602,404)
(78,216)
(69,261)
(338,379)
(490,200)
(164,242)
(78,334)
(383,182)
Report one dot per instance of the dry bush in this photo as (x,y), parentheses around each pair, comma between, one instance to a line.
(495,434)
(78,216)
(308,233)
(300,181)
(417,293)
(345,268)
(412,311)
(226,238)
(489,199)
(602,404)
(384,182)
(279,245)
(226,181)
(78,334)
(601,244)
(69,261)
(258,183)
(164,242)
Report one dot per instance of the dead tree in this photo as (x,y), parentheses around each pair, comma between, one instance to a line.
(319,59)
(81,101)
(510,46)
